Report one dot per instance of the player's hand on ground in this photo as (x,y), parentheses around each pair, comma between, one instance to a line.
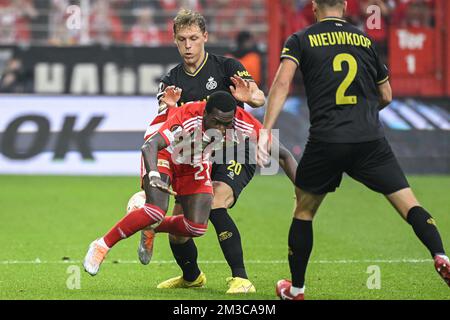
(171,96)
(161,185)
(264,148)
(241,90)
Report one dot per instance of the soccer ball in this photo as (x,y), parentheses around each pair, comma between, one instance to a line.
(136,201)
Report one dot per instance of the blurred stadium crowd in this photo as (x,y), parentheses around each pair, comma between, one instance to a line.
(240,26)
(137,23)
(148,23)
(395,13)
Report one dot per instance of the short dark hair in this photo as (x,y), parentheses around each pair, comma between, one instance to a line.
(243,37)
(222,101)
(187,18)
(329,3)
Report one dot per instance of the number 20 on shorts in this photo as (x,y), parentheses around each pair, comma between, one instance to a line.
(235,166)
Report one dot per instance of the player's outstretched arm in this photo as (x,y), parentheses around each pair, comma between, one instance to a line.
(279,92)
(168,96)
(150,155)
(287,161)
(385,92)
(247,92)
(275,101)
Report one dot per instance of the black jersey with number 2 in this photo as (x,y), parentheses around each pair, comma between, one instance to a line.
(341,72)
(212,75)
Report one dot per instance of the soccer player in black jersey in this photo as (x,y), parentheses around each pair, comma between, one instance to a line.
(346,86)
(198,76)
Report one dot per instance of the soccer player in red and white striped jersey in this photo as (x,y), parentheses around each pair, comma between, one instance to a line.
(211,122)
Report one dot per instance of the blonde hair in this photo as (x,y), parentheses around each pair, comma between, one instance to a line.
(329,3)
(187,18)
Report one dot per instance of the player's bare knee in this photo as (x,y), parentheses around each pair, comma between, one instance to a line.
(177,209)
(178,239)
(403,201)
(223,195)
(307,204)
(302,214)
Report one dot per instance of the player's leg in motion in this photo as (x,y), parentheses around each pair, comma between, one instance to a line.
(156,196)
(378,168)
(185,250)
(152,213)
(185,253)
(229,238)
(424,227)
(191,214)
(300,244)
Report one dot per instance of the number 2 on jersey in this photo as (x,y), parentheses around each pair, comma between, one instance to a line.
(341,98)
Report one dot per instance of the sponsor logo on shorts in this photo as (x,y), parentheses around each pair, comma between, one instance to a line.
(431,221)
(225,235)
(231,175)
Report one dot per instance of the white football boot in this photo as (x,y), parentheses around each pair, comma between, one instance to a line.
(94,257)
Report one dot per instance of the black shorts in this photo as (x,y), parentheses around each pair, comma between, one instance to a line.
(234,173)
(371,163)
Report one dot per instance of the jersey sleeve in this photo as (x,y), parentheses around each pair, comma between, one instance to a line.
(163,84)
(233,66)
(292,50)
(382,69)
(247,123)
(172,126)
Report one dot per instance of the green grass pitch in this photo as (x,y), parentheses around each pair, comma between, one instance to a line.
(45,220)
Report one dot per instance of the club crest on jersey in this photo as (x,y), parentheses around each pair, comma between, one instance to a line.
(212,84)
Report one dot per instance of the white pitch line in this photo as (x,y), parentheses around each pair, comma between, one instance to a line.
(38,261)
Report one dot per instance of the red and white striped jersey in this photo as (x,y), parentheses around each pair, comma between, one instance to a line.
(189,118)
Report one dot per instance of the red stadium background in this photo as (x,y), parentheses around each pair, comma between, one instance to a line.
(418,46)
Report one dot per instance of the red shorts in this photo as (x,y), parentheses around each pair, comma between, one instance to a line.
(185,179)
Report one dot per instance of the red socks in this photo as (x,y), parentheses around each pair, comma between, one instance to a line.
(133,222)
(180,226)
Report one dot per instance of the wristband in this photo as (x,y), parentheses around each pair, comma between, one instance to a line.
(154,174)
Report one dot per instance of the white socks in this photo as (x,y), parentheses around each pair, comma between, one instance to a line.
(296,291)
(102,243)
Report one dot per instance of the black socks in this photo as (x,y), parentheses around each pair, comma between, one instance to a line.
(425,228)
(300,247)
(230,241)
(186,256)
